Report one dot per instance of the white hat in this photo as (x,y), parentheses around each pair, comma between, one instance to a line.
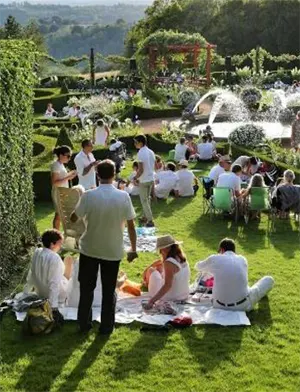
(183,162)
(165,241)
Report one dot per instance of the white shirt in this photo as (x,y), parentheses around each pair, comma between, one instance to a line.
(167,180)
(215,173)
(205,151)
(105,210)
(147,158)
(49,112)
(185,182)
(72,112)
(180,150)
(229,180)
(179,290)
(46,276)
(132,189)
(82,160)
(115,146)
(100,136)
(230,273)
(59,168)
(242,161)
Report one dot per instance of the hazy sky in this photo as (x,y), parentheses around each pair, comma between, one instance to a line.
(81,2)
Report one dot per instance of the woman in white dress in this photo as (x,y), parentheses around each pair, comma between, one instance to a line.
(60,177)
(168,279)
(101,134)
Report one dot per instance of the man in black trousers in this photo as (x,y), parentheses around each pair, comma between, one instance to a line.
(105,211)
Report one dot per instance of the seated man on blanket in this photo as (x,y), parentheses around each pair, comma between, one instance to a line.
(49,276)
(230,271)
(165,181)
(168,279)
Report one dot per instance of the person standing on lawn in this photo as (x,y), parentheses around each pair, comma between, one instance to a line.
(105,211)
(145,177)
(85,163)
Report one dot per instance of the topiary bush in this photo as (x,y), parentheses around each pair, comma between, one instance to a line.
(17,227)
(251,96)
(248,135)
(63,138)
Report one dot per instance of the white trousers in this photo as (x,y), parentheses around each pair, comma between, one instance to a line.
(259,290)
(156,282)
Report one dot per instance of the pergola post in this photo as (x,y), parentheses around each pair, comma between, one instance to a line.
(208,65)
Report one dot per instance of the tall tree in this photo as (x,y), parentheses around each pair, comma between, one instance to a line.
(12,29)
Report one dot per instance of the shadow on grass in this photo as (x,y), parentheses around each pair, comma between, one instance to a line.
(147,345)
(166,208)
(261,316)
(285,239)
(217,345)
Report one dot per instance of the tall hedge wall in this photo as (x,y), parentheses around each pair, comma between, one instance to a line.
(17,226)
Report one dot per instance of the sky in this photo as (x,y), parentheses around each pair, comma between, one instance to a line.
(80,2)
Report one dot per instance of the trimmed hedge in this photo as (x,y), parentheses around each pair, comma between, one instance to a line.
(44,92)
(59,101)
(44,122)
(237,151)
(17,227)
(147,114)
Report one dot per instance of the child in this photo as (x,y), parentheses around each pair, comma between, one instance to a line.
(132,186)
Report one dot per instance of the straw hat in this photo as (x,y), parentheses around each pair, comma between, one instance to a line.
(225,158)
(183,162)
(165,241)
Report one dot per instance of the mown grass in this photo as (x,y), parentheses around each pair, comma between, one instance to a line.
(263,357)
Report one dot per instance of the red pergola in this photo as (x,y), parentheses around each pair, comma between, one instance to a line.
(193,49)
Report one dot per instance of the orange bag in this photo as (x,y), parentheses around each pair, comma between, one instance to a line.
(132,288)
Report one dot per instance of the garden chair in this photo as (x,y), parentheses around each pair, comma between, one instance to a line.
(223,200)
(258,200)
(67,199)
(171,155)
(207,189)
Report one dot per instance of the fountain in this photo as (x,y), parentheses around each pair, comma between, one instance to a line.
(237,112)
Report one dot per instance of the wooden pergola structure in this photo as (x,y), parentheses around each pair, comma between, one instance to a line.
(193,49)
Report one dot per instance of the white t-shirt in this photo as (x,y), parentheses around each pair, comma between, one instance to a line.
(72,112)
(49,112)
(242,161)
(46,276)
(180,151)
(185,182)
(229,180)
(59,168)
(215,173)
(147,158)
(230,273)
(100,136)
(205,151)
(105,211)
(81,161)
(115,146)
(167,180)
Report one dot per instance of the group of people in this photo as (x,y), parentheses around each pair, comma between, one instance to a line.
(107,208)
(204,150)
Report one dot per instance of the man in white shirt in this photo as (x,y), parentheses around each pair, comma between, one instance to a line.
(105,211)
(205,149)
(49,275)
(223,166)
(145,177)
(230,271)
(166,181)
(187,184)
(73,111)
(231,180)
(180,150)
(85,163)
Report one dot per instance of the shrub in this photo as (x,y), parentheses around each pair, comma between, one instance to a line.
(251,96)
(248,135)
(16,195)
(63,138)
(286,116)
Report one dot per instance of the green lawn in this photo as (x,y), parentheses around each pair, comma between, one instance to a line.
(263,357)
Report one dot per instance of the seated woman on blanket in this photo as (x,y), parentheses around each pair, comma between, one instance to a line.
(49,276)
(168,279)
(132,186)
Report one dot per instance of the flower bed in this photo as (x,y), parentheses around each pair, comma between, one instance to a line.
(247,135)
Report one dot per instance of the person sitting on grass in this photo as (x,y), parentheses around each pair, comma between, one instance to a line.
(205,150)
(192,147)
(166,181)
(132,186)
(50,111)
(230,272)
(49,276)
(187,185)
(159,164)
(214,144)
(181,150)
(167,279)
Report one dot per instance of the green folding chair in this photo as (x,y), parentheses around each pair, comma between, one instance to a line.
(223,200)
(258,200)
(171,156)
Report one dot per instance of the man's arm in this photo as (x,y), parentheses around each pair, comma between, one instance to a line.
(205,265)
(132,237)
(140,171)
(55,279)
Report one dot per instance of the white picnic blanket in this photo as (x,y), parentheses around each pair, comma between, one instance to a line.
(130,309)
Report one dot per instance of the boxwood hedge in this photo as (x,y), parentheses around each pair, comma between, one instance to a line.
(17,227)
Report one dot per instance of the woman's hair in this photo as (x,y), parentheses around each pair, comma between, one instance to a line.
(257,181)
(62,150)
(157,158)
(51,237)
(289,175)
(135,164)
(171,166)
(177,253)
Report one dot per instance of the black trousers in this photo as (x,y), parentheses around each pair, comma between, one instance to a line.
(88,272)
